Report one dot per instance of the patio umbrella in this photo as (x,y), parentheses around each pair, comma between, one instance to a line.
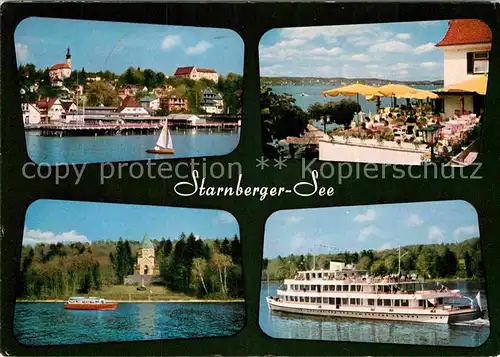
(351,90)
(396,90)
(477,85)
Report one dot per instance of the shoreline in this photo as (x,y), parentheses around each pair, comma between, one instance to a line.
(142,301)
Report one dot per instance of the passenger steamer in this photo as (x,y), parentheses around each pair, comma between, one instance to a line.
(343,291)
(90,303)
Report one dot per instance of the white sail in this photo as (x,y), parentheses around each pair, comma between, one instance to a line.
(162,139)
(170,145)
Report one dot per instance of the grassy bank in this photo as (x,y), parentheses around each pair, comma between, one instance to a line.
(124,293)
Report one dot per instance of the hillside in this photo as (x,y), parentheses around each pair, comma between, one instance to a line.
(338,81)
(452,260)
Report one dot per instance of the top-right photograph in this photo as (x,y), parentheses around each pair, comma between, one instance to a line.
(397,93)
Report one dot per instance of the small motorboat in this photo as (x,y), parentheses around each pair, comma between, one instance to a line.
(90,303)
(164,143)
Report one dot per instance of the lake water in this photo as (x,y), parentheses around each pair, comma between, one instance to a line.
(290,326)
(85,149)
(38,324)
(313,95)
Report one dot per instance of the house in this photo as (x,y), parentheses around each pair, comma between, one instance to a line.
(31,114)
(173,104)
(466,48)
(60,71)
(51,109)
(69,107)
(151,104)
(130,106)
(212,102)
(197,73)
(130,90)
(146,264)
(185,119)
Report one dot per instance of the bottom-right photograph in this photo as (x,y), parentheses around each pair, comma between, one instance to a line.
(409,273)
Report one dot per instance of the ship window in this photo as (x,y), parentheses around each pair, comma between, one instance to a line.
(404,302)
(339,287)
(307,298)
(345,301)
(371,302)
(313,287)
(308,287)
(337,301)
(387,302)
(313,275)
(353,301)
(358,287)
(353,287)
(301,299)
(421,303)
(325,300)
(379,302)
(396,302)
(319,275)
(345,288)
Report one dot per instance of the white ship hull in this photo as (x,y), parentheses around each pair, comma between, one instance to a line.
(439,316)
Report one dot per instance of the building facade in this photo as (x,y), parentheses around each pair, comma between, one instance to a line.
(197,73)
(173,104)
(130,106)
(60,71)
(466,48)
(51,109)
(212,103)
(146,264)
(151,104)
(31,114)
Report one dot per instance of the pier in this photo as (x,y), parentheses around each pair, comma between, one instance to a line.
(107,129)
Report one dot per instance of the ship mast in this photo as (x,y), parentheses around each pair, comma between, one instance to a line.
(399,261)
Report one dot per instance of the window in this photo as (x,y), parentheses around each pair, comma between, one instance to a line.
(353,302)
(371,302)
(307,298)
(477,62)
(345,288)
(396,302)
(353,287)
(339,287)
(345,301)
(387,302)
(404,302)
(379,302)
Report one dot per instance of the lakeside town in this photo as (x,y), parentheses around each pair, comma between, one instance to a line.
(383,121)
(61,101)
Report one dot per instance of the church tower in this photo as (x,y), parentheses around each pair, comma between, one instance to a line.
(68,58)
(146,258)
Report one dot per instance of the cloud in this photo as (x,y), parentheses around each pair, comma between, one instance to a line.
(372,66)
(402,65)
(429,64)
(270,70)
(425,48)
(200,47)
(403,73)
(291,43)
(367,232)
(33,237)
(22,51)
(224,217)
(293,219)
(328,32)
(369,215)
(170,41)
(282,53)
(413,220)
(466,231)
(403,36)
(390,47)
(385,246)
(435,234)
(361,57)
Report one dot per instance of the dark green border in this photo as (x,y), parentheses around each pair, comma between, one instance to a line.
(250,21)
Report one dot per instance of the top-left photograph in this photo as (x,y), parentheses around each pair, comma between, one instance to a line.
(94,91)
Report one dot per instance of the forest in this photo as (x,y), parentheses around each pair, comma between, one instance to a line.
(210,269)
(461,260)
(105,91)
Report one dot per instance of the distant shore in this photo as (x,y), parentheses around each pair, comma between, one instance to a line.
(143,301)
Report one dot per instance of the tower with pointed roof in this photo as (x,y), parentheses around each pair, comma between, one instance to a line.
(68,58)
(146,258)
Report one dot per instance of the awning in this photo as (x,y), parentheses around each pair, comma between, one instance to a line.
(475,85)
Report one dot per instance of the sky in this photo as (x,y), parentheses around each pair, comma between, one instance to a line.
(52,221)
(115,46)
(377,227)
(393,51)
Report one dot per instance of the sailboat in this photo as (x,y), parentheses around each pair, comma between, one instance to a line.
(164,143)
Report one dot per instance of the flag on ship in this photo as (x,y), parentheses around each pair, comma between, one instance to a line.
(477,301)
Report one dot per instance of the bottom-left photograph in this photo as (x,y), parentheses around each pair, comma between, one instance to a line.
(98,272)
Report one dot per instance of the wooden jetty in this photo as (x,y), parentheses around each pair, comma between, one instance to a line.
(107,129)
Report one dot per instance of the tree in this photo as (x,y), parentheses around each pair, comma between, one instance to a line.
(236,250)
(426,262)
(221,262)
(468,265)
(199,267)
(101,93)
(378,268)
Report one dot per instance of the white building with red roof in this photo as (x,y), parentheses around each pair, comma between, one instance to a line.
(51,109)
(130,106)
(197,73)
(466,48)
(60,71)
(31,114)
